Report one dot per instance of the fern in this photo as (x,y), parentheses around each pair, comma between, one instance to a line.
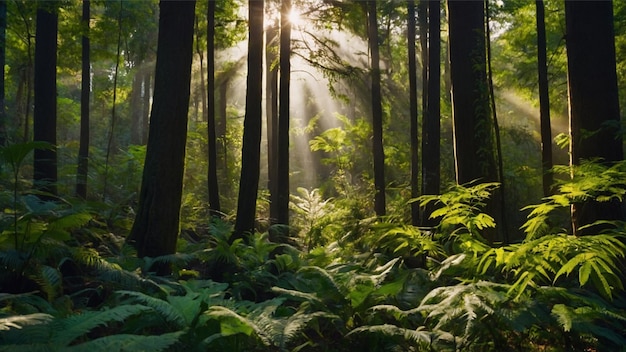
(19,321)
(130,343)
(67,330)
(419,336)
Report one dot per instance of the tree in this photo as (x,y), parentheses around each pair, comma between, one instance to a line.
(83,151)
(377,112)
(431,126)
(251,149)
(155,229)
(271,113)
(413,110)
(593,97)
(474,152)
(3,42)
(544,100)
(283,114)
(45,114)
(214,194)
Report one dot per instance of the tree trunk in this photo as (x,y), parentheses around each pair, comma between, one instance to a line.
(377,113)
(45,115)
(544,101)
(283,114)
(3,109)
(213,186)
(147,96)
(200,52)
(593,97)
(271,113)
(431,127)
(251,149)
(155,229)
(474,152)
(83,150)
(413,110)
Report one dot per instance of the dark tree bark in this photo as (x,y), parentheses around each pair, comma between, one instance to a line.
(377,113)
(45,113)
(3,110)
(431,126)
(251,149)
(283,114)
(155,229)
(213,185)
(474,150)
(593,97)
(147,95)
(544,101)
(413,111)
(271,113)
(83,150)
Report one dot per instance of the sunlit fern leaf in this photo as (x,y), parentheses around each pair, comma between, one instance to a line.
(19,321)
(232,323)
(69,329)
(299,295)
(130,343)
(418,336)
(291,326)
(164,308)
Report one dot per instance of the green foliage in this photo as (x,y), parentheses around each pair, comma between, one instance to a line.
(462,216)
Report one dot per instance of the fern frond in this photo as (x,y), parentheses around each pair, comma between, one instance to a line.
(70,328)
(418,336)
(130,343)
(50,281)
(164,308)
(19,321)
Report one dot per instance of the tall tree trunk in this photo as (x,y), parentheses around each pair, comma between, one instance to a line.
(155,229)
(83,150)
(45,115)
(283,114)
(593,97)
(431,126)
(474,150)
(213,186)
(271,113)
(377,113)
(200,52)
(221,126)
(3,42)
(413,111)
(251,149)
(147,96)
(544,101)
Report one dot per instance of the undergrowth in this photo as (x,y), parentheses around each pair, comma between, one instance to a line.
(343,284)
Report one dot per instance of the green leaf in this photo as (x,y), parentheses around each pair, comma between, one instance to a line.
(19,321)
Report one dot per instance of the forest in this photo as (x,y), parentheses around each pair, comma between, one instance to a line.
(312,175)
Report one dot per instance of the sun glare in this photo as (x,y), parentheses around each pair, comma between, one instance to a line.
(294,17)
